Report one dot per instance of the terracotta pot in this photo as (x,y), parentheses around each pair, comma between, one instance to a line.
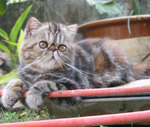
(118,28)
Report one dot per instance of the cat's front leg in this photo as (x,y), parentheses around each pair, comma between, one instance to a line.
(37,93)
(12,92)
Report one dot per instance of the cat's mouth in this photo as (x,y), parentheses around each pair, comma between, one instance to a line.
(53,57)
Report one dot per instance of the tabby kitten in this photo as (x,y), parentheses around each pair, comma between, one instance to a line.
(50,60)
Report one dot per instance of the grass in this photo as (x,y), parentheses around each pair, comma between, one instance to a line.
(26,115)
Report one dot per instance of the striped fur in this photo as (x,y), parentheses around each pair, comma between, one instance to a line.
(61,64)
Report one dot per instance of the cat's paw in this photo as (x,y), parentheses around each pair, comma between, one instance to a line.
(12,92)
(34,100)
(37,94)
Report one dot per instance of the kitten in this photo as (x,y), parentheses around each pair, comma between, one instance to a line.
(50,60)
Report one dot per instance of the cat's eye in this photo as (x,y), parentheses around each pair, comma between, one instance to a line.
(43,44)
(62,47)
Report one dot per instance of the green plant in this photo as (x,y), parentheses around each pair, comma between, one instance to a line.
(136,7)
(111,7)
(7,77)
(10,44)
(16,1)
(26,115)
(3,7)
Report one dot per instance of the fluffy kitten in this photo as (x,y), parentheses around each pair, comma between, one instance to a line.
(50,60)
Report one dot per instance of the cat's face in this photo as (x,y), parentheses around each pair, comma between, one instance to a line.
(46,46)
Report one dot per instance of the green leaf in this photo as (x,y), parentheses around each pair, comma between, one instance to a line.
(107,2)
(10,43)
(3,34)
(136,7)
(8,77)
(20,40)
(90,2)
(5,49)
(3,7)
(109,7)
(15,30)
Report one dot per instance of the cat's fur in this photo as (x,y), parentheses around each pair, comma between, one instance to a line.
(90,63)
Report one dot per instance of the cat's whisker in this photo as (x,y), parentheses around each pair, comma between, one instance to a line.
(76,69)
(61,62)
(38,59)
(73,67)
(61,66)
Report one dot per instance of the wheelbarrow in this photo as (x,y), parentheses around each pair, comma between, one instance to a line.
(127,104)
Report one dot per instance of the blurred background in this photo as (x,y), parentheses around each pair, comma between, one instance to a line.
(72,11)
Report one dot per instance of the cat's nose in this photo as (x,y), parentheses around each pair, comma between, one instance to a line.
(53,48)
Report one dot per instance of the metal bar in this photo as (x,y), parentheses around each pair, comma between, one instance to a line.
(121,99)
(97,92)
(111,119)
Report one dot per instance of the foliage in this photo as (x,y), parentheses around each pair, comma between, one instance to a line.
(12,48)
(11,45)
(3,7)
(26,115)
(109,7)
(7,77)
(136,7)
(16,1)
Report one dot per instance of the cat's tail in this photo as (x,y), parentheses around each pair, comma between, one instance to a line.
(141,71)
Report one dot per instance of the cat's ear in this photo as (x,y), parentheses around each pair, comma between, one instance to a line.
(32,25)
(72,30)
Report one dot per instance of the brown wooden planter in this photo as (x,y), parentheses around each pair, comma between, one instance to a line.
(118,28)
